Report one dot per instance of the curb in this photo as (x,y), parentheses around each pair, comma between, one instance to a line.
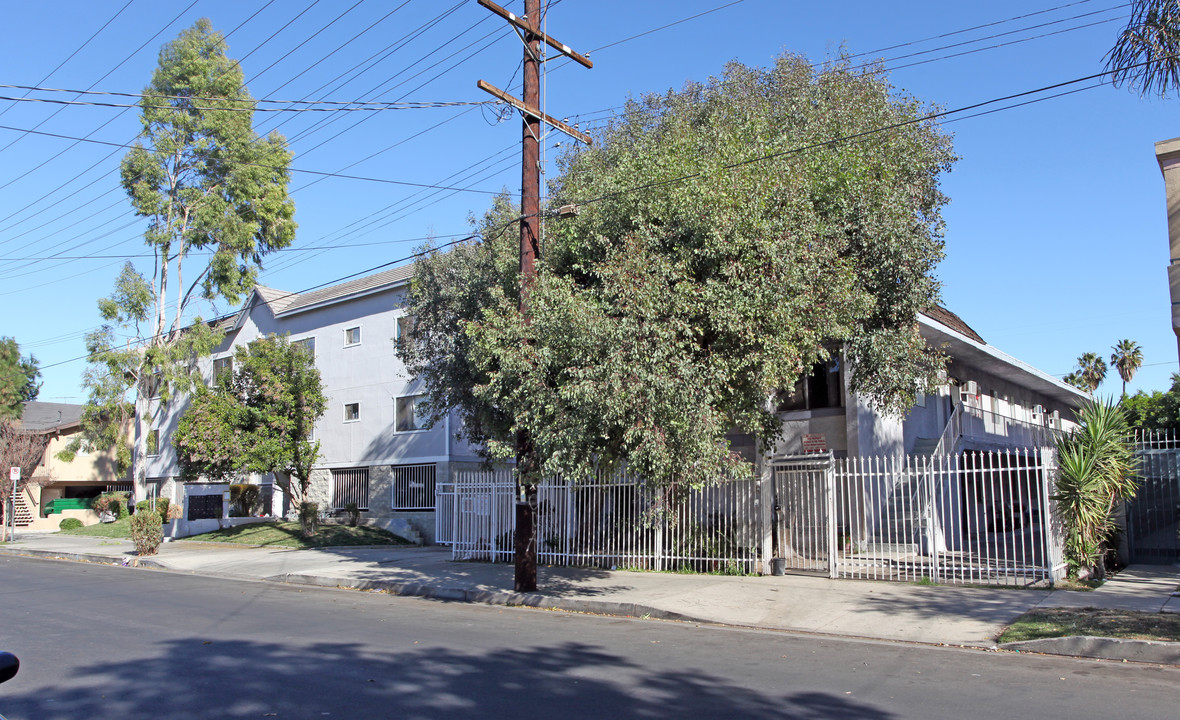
(490,597)
(125,561)
(1144,651)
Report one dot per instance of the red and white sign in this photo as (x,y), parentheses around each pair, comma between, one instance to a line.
(815,442)
(14,474)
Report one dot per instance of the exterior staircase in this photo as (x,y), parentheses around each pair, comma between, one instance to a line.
(404,529)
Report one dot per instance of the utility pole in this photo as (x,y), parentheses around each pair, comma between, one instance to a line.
(527,463)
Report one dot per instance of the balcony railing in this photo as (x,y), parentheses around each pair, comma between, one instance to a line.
(981,424)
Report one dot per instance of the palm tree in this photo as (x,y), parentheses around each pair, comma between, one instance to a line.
(1126,358)
(1090,373)
(1146,54)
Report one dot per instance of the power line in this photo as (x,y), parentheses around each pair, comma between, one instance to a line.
(269,167)
(78,49)
(366,107)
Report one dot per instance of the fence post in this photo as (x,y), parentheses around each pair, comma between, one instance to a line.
(832,519)
(1052,548)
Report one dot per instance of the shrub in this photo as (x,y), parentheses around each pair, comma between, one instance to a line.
(161,507)
(309,514)
(146,532)
(175,511)
(69,524)
(354,514)
(245,500)
(1096,470)
(113,502)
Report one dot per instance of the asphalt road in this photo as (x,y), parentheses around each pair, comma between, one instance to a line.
(108,642)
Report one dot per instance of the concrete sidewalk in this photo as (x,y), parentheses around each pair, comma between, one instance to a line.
(853,608)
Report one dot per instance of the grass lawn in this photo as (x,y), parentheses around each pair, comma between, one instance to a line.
(1062,622)
(117,529)
(286,534)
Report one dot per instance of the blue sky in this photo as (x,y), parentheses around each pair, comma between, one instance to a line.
(1056,228)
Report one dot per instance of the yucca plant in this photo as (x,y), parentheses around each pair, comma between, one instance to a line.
(1096,471)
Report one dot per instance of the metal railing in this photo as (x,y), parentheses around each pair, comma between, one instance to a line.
(1153,515)
(973,518)
(607,521)
(979,517)
(987,425)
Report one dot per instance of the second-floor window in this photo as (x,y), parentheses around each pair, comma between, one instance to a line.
(222,366)
(410,413)
(306,344)
(352,412)
(153,442)
(352,336)
(405,328)
(816,390)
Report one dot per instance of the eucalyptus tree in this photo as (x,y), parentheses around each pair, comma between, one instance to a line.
(1127,358)
(214,195)
(18,379)
(730,236)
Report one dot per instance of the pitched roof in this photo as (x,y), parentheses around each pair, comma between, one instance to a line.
(45,416)
(951,320)
(352,288)
(279,300)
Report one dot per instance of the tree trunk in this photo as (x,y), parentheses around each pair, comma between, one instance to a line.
(139,451)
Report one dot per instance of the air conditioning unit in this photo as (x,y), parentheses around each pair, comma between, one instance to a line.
(969,391)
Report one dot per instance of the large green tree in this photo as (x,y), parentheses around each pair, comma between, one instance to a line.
(204,181)
(18,379)
(257,418)
(731,235)
(1154,410)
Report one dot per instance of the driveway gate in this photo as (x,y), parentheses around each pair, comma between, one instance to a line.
(1153,516)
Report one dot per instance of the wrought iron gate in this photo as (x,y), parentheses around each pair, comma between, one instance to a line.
(1153,516)
(804,490)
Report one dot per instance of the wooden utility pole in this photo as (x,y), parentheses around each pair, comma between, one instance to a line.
(527,463)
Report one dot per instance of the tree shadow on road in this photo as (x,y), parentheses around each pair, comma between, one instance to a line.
(196,678)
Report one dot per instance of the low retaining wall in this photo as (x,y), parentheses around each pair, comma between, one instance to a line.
(176,529)
(88,517)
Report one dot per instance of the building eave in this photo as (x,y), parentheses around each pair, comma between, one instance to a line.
(998,363)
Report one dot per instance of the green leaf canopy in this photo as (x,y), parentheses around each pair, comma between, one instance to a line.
(731,235)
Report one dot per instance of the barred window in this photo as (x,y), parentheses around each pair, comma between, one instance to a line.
(350,485)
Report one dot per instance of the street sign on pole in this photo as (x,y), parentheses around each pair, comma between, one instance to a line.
(14,474)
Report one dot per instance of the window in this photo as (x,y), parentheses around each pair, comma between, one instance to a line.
(352,412)
(153,442)
(307,345)
(820,389)
(352,336)
(222,366)
(350,485)
(405,327)
(413,487)
(410,413)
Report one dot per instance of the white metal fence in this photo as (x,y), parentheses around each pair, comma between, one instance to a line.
(979,518)
(970,518)
(607,521)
